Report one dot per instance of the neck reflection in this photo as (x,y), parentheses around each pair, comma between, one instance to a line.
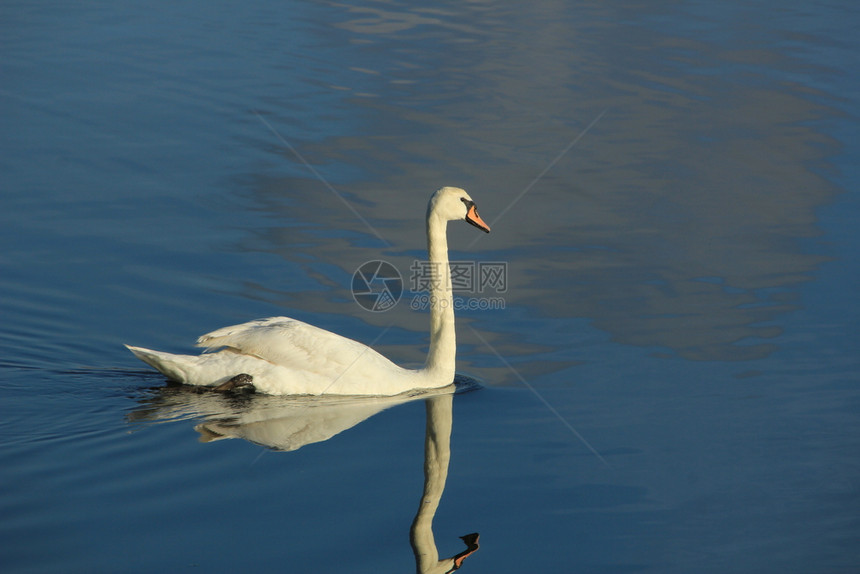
(437,455)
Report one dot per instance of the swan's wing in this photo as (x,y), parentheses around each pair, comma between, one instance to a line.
(292,343)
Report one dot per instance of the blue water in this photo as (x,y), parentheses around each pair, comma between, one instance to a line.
(671,386)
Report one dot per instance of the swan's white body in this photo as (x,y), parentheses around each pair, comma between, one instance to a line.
(289,357)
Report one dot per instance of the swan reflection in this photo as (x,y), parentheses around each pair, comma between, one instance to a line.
(437,454)
(289,423)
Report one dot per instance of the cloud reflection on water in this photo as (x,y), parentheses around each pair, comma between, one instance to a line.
(678,222)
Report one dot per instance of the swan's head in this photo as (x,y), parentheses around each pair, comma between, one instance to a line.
(452,204)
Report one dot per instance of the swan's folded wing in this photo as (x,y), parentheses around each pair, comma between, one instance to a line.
(292,343)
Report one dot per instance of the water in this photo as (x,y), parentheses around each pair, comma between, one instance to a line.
(671,386)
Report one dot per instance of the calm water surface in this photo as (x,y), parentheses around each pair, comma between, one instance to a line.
(672,385)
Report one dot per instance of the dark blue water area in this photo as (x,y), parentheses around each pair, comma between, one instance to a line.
(671,386)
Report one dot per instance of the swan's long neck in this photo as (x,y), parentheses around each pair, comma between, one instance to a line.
(441,359)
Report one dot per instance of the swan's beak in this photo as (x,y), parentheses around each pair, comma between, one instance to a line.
(475,219)
(471,542)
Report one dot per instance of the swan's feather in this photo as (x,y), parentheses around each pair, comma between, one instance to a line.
(285,356)
(292,343)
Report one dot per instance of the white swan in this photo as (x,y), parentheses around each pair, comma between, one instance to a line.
(283,356)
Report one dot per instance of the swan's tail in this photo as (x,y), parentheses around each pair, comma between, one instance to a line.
(174,367)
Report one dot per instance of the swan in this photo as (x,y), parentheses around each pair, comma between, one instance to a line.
(284,356)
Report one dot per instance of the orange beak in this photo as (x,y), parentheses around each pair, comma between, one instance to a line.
(475,219)
(471,541)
